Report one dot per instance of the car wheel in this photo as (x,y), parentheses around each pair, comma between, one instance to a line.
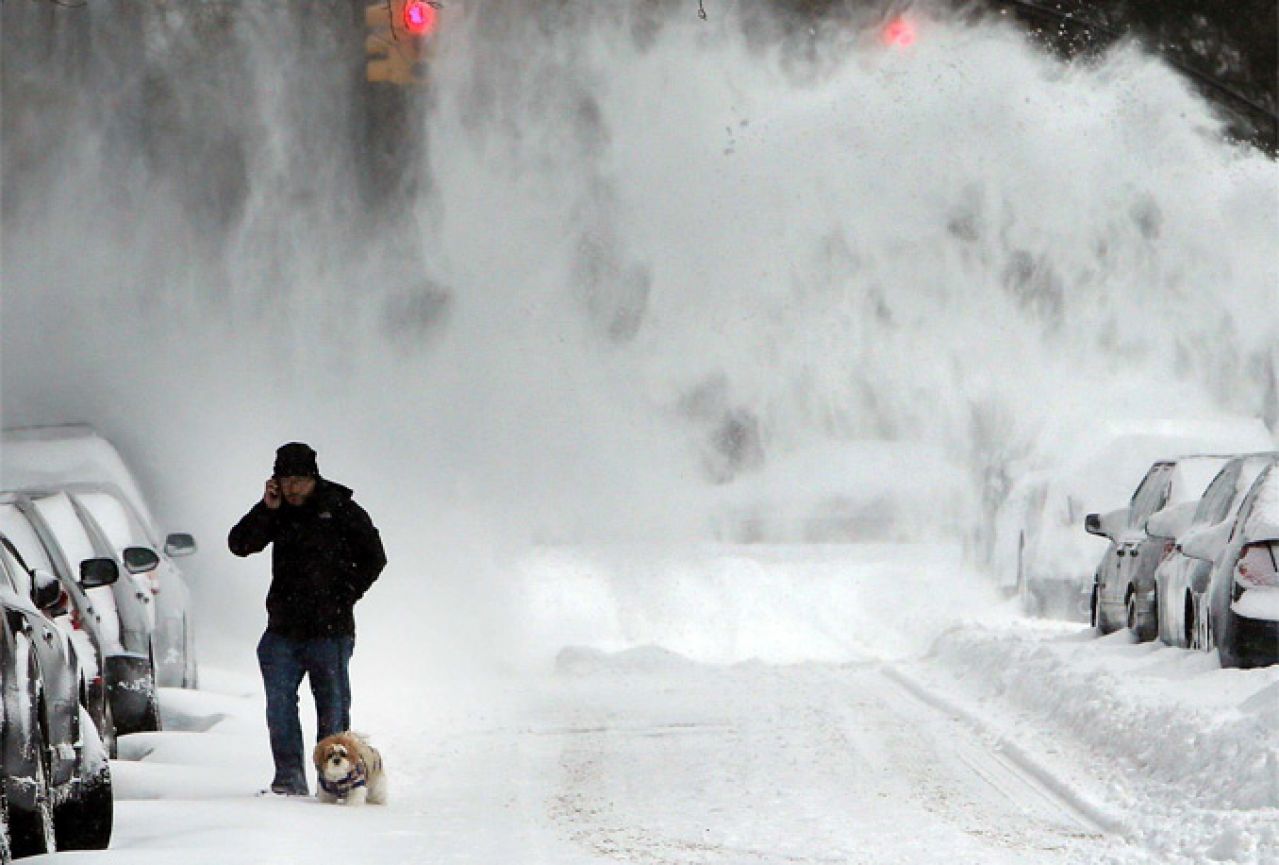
(105,721)
(33,831)
(1190,623)
(1095,605)
(1225,634)
(109,738)
(6,851)
(151,717)
(1207,637)
(1140,625)
(84,820)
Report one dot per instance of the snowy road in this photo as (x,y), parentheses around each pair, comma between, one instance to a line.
(639,757)
(813,763)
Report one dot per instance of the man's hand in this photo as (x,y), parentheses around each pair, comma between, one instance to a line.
(271,498)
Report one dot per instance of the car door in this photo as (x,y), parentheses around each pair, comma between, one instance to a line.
(1181,580)
(81,619)
(58,668)
(1151,495)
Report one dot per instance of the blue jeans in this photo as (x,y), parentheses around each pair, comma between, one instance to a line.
(284,661)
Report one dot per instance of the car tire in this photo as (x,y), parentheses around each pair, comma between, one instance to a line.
(6,850)
(84,821)
(151,720)
(33,832)
(1096,613)
(106,725)
(1139,625)
(109,738)
(1227,641)
(1190,623)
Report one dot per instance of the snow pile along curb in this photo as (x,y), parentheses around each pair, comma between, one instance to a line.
(1205,733)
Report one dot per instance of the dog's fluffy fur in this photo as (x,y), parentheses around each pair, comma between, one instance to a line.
(342,757)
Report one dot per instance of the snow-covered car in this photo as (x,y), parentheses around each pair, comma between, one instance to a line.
(1038,550)
(845,492)
(1123,593)
(57,780)
(119,531)
(74,613)
(1243,588)
(125,624)
(76,459)
(1180,581)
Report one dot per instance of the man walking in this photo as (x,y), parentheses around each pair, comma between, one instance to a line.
(326,554)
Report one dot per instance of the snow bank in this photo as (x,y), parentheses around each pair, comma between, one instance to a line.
(1187,747)
(1172,713)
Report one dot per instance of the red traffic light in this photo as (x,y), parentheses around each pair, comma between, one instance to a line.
(900,33)
(419,18)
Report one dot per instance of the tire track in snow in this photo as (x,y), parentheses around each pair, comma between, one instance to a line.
(802,764)
(1010,768)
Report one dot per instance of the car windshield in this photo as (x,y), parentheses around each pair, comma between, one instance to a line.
(1217,499)
(116,521)
(1152,493)
(60,515)
(1191,478)
(20,532)
(20,579)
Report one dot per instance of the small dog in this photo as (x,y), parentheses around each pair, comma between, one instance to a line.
(349,770)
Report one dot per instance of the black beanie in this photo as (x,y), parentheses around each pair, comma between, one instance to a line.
(296,460)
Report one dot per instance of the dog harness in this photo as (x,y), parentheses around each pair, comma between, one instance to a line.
(341,788)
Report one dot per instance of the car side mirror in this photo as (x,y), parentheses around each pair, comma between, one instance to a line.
(1109,525)
(179,544)
(139,560)
(95,573)
(46,591)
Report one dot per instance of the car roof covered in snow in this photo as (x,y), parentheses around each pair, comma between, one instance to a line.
(1103,466)
(53,456)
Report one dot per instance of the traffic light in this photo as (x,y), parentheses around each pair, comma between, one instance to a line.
(899,32)
(397,37)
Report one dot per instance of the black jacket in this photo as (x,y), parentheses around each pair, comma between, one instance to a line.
(326,555)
